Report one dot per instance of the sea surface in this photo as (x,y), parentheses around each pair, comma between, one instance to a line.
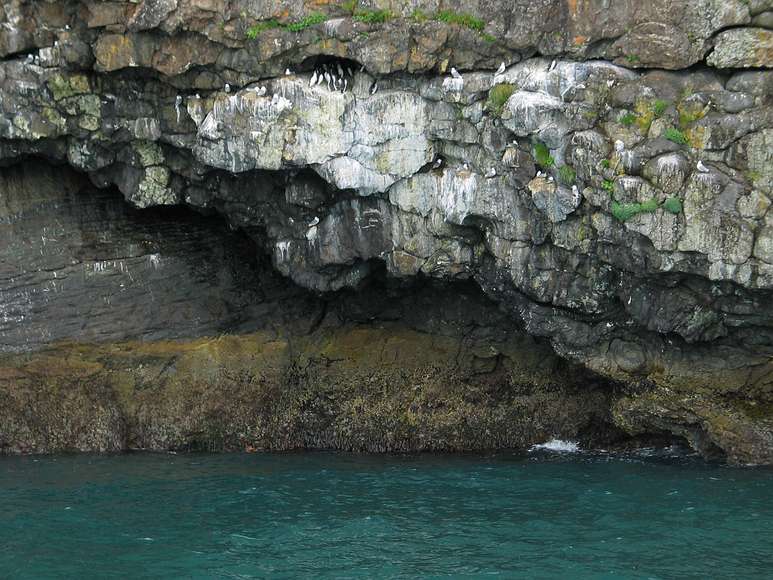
(553,513)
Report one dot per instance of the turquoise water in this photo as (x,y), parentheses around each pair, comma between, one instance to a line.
(322,515)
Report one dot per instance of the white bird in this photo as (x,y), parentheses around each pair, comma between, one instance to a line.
(501,69)
(552,66)
(67,27)
(320,79)
(539,174)
(701,167)
(288,72)
(30,58)
(550,179)
(313,79)
(455,73)
(619,146)
(491,173)
(438,163)
(576,192)
(178,100)
(465,167)
(327,79)
(227,88)
(261,91)
(374,89)
(611,83)
(198,96)
(345,83)
(314,222)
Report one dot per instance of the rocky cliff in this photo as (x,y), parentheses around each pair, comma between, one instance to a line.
(386,225)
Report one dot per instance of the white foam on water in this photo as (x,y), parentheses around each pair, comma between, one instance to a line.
(557,445)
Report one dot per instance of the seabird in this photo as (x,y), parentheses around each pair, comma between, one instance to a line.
(550,179)
(552,66)
(501,69)
(227,88)
(320,78)
(30,58)
(314,222)
(575,192)
(539,174)
(67,27)
(619,146)
(178,100)
(261,91)
(455,73)
(345,83)
(466,167)
(701,167)
(288,72)
(374,89)
(611,83)
(313,79)
(327,79)
(438,163)
(198,96)
(491,173)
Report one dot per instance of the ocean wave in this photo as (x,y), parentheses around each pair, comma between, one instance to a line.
(558,446)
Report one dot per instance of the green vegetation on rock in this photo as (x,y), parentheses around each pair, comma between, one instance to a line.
(308,21)
(628,119)
(625,211)
(675,135)
(659,107)
(542,155)
(567,175)
(373,16)
(497,97)
(673,205)
(462,19)
(254,31)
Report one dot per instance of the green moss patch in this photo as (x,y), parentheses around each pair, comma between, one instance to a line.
(673,205)
(497,97)
(461,19)
(542,155)
(567,175)
(625,211)
(675,135)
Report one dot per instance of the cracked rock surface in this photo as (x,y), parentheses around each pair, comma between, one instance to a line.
(609,190)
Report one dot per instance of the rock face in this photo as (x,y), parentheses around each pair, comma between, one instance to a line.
(617,210)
